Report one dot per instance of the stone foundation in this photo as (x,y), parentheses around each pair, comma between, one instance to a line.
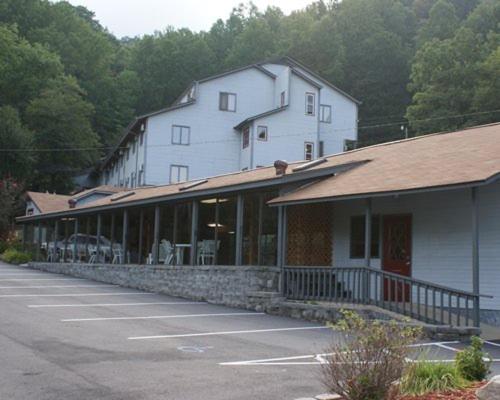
(228,285)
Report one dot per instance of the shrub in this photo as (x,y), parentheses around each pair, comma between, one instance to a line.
(473,363)
(14,256)
(425,377)
(3,246)
(372,356)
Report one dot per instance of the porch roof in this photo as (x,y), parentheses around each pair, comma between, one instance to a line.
(48,202)
(441,160)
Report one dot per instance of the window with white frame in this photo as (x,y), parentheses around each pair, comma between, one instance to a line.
(133,146)
(178,173)
(181,134)
(262,133)
(325,113)
(308,151)
(227,101)
(282,98)
(310,103)
(246,136)
(141,175)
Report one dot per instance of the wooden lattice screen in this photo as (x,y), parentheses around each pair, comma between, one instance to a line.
(309,235)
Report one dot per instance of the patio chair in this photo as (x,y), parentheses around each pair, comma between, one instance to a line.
(206,253)
(117,252)
(166,254)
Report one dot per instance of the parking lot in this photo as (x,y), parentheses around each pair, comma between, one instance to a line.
(69,338)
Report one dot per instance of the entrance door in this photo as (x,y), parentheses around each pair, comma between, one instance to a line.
(397,255)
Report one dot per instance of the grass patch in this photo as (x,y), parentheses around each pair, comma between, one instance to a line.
(427,377)
(13,256)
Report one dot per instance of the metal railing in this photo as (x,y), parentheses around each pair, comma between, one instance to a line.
(417,299)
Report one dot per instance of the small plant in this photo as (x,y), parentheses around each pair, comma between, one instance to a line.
(426,377)
(372,356)
(473,363)
(13,256)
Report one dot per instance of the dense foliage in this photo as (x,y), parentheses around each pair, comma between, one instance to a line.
(67,83)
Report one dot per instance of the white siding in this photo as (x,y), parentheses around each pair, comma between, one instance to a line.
(441,237)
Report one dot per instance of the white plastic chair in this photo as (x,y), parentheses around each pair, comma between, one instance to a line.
(117,254)
(206,254)
(166,253)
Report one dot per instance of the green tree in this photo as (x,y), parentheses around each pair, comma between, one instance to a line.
(60,119)
(442,23)
(13,135)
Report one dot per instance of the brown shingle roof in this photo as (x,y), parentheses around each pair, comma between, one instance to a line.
(48,202)
(438,160)
(99,189)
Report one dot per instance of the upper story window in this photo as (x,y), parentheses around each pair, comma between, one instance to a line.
(321,149)
(282,98)
(141,138)
(134,144)
(325,113)
(181,134)
(310,103)
(227,101)
(308,151)
(30,211)
(246,137)
(128,153)
(262,133)
(178,173)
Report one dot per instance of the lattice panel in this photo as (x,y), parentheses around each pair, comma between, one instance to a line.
(309,235)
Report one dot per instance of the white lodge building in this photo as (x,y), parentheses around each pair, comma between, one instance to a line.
(238,120)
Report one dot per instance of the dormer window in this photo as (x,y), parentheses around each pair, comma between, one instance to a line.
(308,151)
(227,101)
(246,137)
(262,133)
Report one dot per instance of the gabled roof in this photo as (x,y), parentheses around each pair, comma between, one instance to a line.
(232,71)
(286,60)
(258,116)
(48,202)
(438,161)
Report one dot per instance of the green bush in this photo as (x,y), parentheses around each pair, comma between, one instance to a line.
(425,377)
(3,246)
(13,256)
(473,363)
(372,356)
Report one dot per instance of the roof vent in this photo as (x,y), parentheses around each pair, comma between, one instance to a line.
(193,184)
(309,164)
(280,166)
(72,203)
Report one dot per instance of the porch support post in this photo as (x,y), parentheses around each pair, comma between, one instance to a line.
(98,249)
(174,233)
(194,233)
(87,239)
(141,232)
(156,235)
(25,232)
(282,228)
(66,234)
(39,240)
(56,229)
(475,255)
(239,229)
(112,233)
(368,246)
(75,242)
(125,236)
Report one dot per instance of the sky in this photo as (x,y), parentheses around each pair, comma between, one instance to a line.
(139,17)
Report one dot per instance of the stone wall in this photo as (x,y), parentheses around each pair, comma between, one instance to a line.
(228,285)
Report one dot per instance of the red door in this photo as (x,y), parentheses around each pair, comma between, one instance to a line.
(396,256)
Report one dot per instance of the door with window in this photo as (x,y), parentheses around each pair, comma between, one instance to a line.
(396,256)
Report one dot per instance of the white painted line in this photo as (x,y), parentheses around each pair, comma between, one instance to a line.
(240,314)
(303,328)
(113,304)
(23,274)
(55,286)
(77,294)
(443,346)
(41,279)
(491,343)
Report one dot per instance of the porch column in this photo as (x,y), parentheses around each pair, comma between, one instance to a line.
(98,249)
(174,233)
(368,231)
(25,231)
(156,235)
(194,233)
(75,242)
(56,229)
(39,240)
(475,255)
(281,259)
(66,233)
(125,236)
(239,229)
(141,232)
(112,233)
(87,239)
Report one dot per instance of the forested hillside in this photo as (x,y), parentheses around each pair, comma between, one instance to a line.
(68,87)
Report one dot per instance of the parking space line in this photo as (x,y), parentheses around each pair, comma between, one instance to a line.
(303,328)
(232,314)
(55,286)
(114,304)
(41,279)
(443,346)
(491,343)
(77,294)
